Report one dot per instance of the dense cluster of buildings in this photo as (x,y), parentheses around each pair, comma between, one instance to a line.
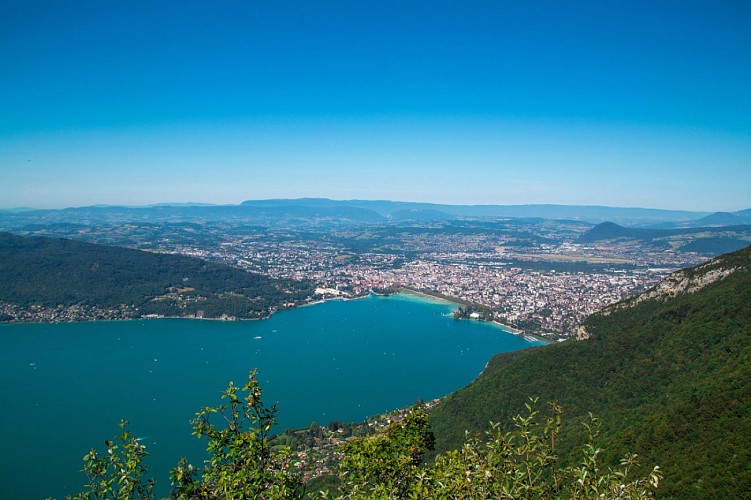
(38,313)
(547,301)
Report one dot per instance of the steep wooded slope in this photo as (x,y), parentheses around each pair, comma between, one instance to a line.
(668,374)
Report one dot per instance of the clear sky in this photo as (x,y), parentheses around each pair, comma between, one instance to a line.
(607,102)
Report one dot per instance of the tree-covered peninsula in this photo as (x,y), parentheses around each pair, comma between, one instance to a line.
(54,279)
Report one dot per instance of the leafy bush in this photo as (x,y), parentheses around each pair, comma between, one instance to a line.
(117,473)
(518,464)
(242,465)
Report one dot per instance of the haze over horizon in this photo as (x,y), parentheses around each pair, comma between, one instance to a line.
(354,200)
(616,104)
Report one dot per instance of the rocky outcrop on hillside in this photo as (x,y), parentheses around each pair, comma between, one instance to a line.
(687,280)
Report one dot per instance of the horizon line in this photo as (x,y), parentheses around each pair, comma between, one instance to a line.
(340,200)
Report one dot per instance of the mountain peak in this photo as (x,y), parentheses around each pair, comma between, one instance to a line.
(721,219)
(604,231)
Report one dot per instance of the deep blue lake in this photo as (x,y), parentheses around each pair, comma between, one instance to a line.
(66,386)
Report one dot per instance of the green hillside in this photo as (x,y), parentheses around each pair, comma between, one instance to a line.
(51,272)
(668,374)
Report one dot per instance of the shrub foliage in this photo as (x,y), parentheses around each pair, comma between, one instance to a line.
(520,463)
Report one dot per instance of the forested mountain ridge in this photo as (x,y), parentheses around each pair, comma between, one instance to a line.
(40,272)
(668,374)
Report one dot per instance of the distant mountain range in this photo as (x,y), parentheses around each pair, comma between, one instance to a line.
(326,211)
(668,374)
(717,219)
(415,210)
(722,219)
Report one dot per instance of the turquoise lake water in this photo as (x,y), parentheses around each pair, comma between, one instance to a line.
(66,386)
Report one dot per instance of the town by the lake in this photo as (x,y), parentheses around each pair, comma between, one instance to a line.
(534,275)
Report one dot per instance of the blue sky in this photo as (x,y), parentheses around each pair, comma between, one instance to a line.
(620,103)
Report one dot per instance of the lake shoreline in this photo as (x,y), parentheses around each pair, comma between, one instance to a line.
(426,296)
(343,361)
(438,297)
